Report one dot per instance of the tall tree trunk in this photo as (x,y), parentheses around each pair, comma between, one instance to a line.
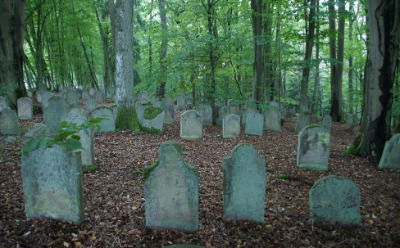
(350,75)
(337,102)
(316,95)
(163,49)
(269,80)
(332,55)
(383,51)
(258,66)
(307,56)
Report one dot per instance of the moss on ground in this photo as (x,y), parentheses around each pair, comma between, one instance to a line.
(90,168)
(149,169)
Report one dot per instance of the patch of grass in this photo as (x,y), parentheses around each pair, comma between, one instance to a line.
(283,177)
(149,169)
(90,168)
(137,172)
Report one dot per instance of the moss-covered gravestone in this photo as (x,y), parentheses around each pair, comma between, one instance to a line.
(272,118)
(108,124)
(25,108)
(55,112)
(171,192)
(244,184)
(8,122)
(206,113)
(303,120)
(391,154)
(313,148)
(327,122)
(191,126)
(254,124)
(151,118)
(335,200)
(231,126)
(52,184)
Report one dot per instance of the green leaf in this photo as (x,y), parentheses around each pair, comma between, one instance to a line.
(72,144)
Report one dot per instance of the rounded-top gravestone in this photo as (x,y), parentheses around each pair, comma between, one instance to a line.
(8,122)
(191,125)
(25,108)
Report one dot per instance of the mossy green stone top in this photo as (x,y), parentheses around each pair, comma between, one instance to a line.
(151,112)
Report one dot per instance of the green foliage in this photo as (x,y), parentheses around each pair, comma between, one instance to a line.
(90,168)
(127,119)
(283,177)
(354,148)
(150,130)
(148,169)
(151,112)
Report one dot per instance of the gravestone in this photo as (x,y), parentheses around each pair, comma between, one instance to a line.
(222,112)
(151,118)
(244,184)
(3,103)
(206,113)
(108,124)
(303,120)
(231,126)
(335,200)
(313,148)
(181,101)
(55,112)
(245,112)
(79,117)
(272,117)
(72,96)
(191,126)
(25,109)
(327,122)
(45,97)
(8,122)
(254,124)
(143,98)
(36,131)
(99,95)
(168,107)
(350,121)
(52,184)
(391,154)
(172,192)
(90,103)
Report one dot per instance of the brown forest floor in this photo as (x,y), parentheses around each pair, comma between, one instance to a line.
(114,204)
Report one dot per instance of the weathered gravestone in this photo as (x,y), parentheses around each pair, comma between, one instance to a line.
(79,117)
(245,112)
(3,103)
(327,122)
(38,130)
(25,108)
(272,117)
(171,192)
(108,124)
(335,200)
(99,95)
(72,96)
(90,103)
(191,126)
(55,112)
(254,124)
(151,118)
(52,184)
(350,122)
(391,154)
(222,112)
(169,110)
(303,120)
(206,113)
(45,98)
(244,184)
(8,122)
(313,148)
(181,101)
(231,126)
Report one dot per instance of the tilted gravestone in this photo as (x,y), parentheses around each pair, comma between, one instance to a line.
(8,122)
(151,118)
(25,108)
(391,154)
(231,126)
(272,118)
(3,103)
(52,184)
(254,124)
(313,148)
(303,120)
(327,122)
(335,200)
(79,117)
(108,124)
(181,101)
(55,112)
(206,113)
(244,184)
(172,192)
(191,126)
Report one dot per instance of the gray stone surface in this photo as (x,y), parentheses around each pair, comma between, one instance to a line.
(169,110)
(335,200)
(55,112)
(272,117)
(157,123)
(350,122)
(254,124)
(45,97)
(90,103)
(391,154)
(313,148)
(222,112)
(244,184)
(52,184)
(171,192)
(99,95)
(191,126)
(303,120)
(25,108)
(231,126)
(206,113)
(181,101)
(327,122)
(107,125)
(8,122)
(36,131)
(72,96)
(3,103)
(79,117)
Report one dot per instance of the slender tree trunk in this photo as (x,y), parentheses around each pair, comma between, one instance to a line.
(337,107)
(258,81)
(332,55)
(316,95)
(350,75)
(163,49)
(266,43)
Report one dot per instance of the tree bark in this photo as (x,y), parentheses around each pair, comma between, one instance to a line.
(337,102)
(351,59)
(163,49)
(258,65)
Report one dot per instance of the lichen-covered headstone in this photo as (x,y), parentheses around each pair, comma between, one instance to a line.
(254,124)
(172,192)
(55,112)
(231,126)
(3,103)
(52,184)
(108,124)
(313,148)
(79,117)
(181,101)
(303,120)
(327,122)
(244,184)
(272,117)
(191,126)
(206,113)
(25,108)
(151,118)
(391,154)
(335,200)
(8,122)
